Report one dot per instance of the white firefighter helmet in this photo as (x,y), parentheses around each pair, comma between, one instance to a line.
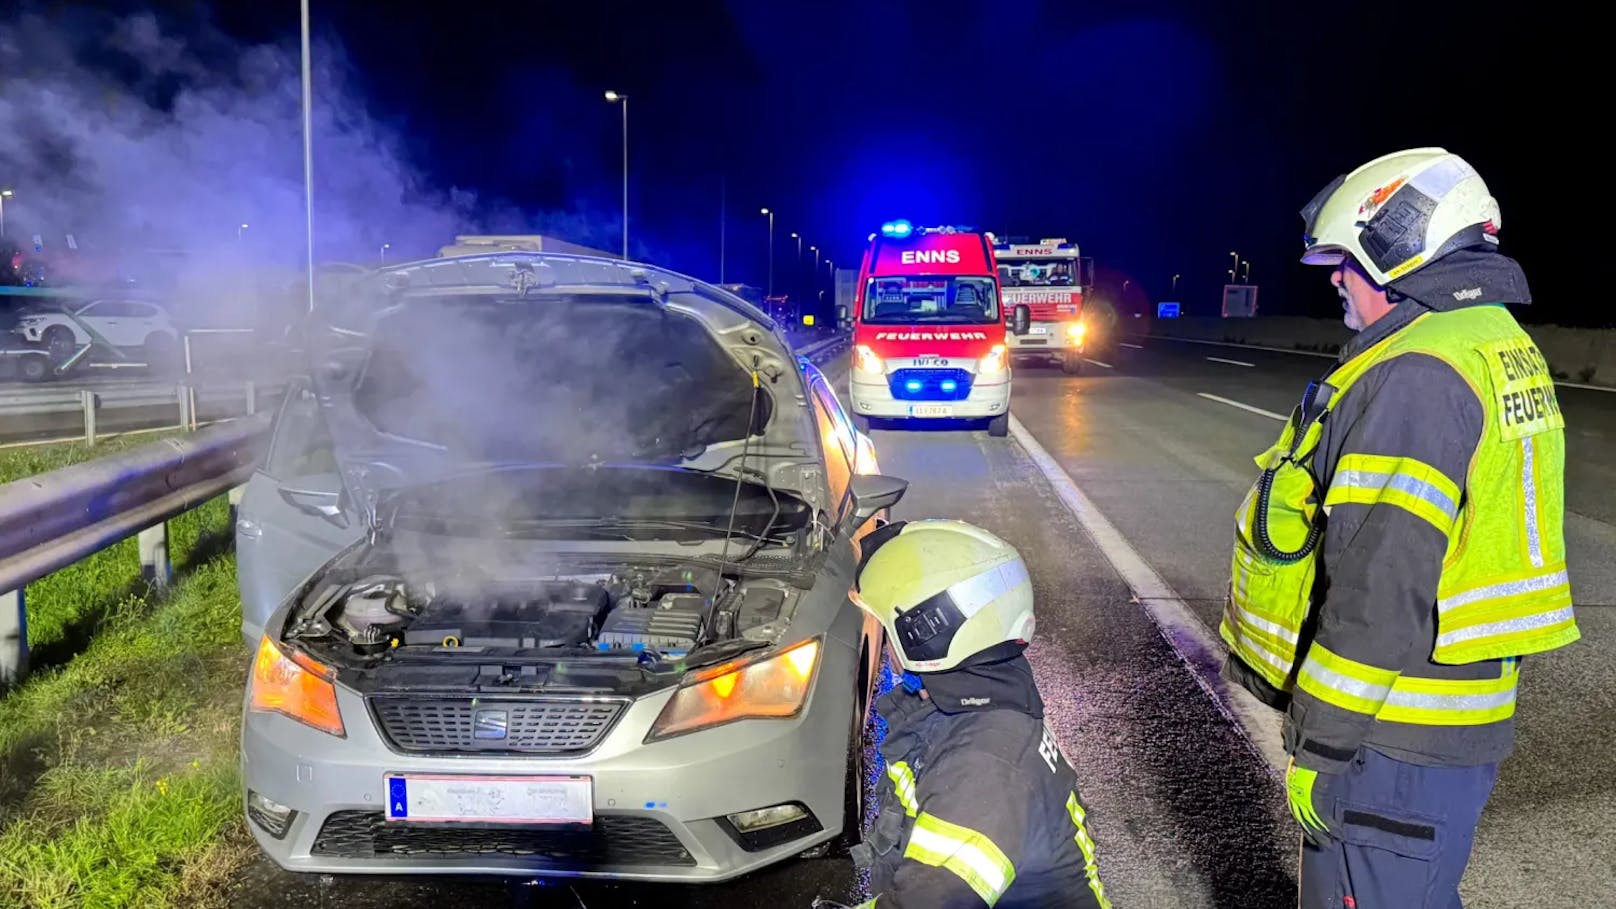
(1399,213)
(945,591)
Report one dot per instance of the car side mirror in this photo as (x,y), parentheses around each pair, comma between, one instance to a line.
(870,494)
(321,503)
(1021,320)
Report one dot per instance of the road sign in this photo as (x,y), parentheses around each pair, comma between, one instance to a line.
(1166,310)
(1239,301)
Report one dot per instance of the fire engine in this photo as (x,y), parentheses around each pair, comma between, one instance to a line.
(929,329)
(1049,278)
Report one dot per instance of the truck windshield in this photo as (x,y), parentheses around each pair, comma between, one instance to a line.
(947,300)
(1038,273)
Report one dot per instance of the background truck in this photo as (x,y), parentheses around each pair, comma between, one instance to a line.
(846,296)
(1050,278)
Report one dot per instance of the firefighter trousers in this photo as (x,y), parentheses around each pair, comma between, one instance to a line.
(1400,834)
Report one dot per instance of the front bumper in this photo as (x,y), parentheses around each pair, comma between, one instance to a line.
(659,808)
(1054,341)
(871,395)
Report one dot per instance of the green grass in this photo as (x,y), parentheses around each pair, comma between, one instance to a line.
(25,461)
(118,761)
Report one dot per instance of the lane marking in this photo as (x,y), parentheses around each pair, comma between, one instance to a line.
(1134,346)
(1200,649)
(1098,363)
(1328,356)
(1286,350)
(1246,407)
(1232,362)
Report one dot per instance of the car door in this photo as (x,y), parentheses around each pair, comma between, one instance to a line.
(142,322)
(100,322)
(278,543)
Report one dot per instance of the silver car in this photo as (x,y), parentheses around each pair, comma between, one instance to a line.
(548,573)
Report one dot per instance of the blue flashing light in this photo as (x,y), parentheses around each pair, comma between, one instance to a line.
(897,229)
(948,385)
(912,385)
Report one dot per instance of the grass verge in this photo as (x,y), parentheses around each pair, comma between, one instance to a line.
(118,765)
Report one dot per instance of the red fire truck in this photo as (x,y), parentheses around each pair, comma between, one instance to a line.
(1049,278)
(929,329)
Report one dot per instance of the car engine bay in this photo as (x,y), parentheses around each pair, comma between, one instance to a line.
(362,619)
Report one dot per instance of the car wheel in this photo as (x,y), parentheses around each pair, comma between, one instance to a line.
(999,426)
(59,341)
(853,802)
(34,368)
(1072,364)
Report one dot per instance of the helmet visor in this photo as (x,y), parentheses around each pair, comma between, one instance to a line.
(1310,215)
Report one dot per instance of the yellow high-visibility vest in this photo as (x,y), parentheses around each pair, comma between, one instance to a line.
(1503,592)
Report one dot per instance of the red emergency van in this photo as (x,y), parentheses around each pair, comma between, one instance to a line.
(929,329)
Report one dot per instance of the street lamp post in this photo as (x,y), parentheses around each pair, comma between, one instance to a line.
(4,194)
(796,273)
(1236,265)
(771,250)
(612,98)
(1175,283)
(1245,278)
(239,229)
(385,248)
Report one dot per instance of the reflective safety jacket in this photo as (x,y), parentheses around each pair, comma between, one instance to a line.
(977,808)
(1403,547)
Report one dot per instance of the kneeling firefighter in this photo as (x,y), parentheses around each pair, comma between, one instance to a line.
(979,807)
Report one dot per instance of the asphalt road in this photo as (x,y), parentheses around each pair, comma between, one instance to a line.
(1186,810)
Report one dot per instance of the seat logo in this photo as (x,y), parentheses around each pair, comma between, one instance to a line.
(490,724)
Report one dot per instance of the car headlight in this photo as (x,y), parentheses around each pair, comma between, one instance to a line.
(297,686)
(866,361)
(1075,331)
(991,363)
(774,687)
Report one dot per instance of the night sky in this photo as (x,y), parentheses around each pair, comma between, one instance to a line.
(1159,136)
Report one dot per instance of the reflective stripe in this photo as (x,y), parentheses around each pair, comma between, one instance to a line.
(970,855)
(1507,626)
(1256,621)
(1534,546)
(1345,683)
(1452,702)
(903,783)
(1506,589)
(1409,484)
(973,593)
(1091,868)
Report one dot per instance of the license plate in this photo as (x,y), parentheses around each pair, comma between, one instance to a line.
(451,798)
(931,410)
(1038,330)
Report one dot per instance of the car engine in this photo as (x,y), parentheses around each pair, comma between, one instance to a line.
(666,611)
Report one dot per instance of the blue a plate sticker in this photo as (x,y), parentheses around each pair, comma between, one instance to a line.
(397,801)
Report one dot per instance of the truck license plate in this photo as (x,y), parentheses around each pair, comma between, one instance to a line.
(451,798)
(1039,329)
(931,410)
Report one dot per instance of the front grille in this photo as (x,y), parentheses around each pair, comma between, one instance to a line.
(611,840)
(930,384)
(464,725)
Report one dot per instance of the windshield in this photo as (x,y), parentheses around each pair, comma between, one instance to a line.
(1038,272)
(931,299)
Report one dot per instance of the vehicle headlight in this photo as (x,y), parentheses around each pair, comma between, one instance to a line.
(297,686)
(1075,331)
(991,363)
(774,687)
(866,361)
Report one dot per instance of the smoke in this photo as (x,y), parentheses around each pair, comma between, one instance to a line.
(181,158)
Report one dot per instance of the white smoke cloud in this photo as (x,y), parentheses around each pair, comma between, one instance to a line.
(131,138)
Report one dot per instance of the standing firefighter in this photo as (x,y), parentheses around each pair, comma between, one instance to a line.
(1404,549)
(979,807)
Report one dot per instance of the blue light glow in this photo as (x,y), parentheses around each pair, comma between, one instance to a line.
(897,229)
(912,385)
(949,385)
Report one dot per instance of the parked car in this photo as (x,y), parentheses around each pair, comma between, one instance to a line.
(555,580)
(136,327)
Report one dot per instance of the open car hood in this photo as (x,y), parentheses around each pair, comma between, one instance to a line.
(431,369)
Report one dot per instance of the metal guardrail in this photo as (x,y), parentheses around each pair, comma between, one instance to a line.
(52,520)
